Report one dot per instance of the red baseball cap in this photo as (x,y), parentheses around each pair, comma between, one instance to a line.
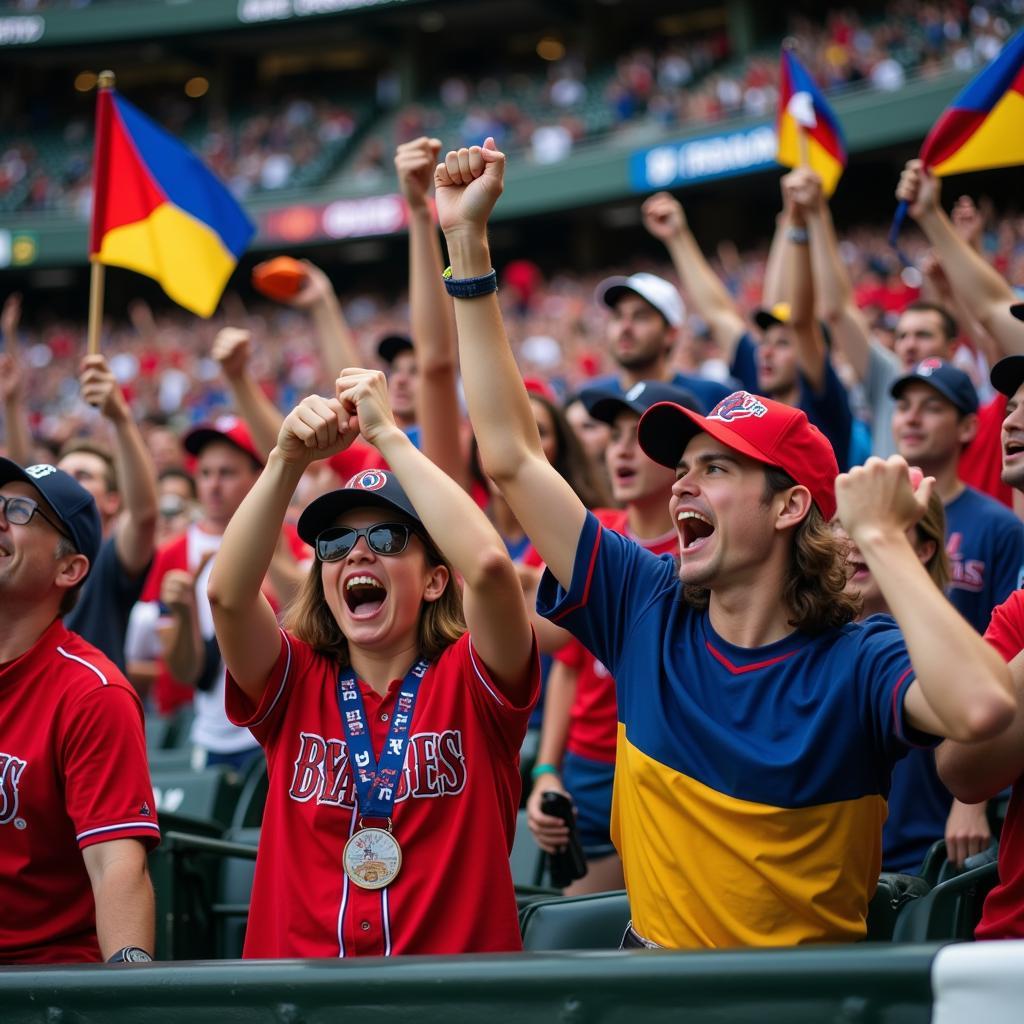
(770,432)
(226,428)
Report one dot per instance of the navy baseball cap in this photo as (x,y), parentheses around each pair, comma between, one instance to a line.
(1008,375)
(73,505)
(605,404)
(953,384)
(392,346)
(374,488)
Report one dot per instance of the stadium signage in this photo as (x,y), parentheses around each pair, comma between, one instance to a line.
(253,11)
(20,31)
(713,156)
(344,218)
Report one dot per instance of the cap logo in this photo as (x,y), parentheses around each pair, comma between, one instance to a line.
(636,391)
(41,470)
(368,480)
(738,406)
(226,423)
(928,366)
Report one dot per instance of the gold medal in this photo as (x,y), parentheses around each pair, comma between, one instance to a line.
(372,857)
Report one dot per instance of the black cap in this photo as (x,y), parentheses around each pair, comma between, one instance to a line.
(375,488)
(73,505)
(1017,309)
(389,348)
(951,383)
(1008,374)
(605,404)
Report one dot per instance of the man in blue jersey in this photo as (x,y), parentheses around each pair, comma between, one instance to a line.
(757,723)
(647,315)
(935,418)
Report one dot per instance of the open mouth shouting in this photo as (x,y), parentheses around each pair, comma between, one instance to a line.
(694,530)
(1013,447)
(364,595)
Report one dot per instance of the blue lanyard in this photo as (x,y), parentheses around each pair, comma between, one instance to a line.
(377,782)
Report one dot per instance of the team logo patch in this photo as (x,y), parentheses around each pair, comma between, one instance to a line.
(11,768)
(225,424)
(368,480)
(636,391)
(738,406)
(39,471)
(928,366)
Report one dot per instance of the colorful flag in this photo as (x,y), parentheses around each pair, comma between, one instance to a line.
(984,126)
(158,211)
(808,132)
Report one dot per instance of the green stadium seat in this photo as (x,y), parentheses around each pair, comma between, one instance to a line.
(950,911)
(207,798)
(894,892)
(596,921)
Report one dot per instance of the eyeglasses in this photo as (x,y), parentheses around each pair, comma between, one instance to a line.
(19,511)
(383,538)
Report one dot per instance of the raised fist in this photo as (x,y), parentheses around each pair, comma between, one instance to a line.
(468,185)
(663,216)
(101,390)
(315,429)
(414,164)
(232,348)
(919,188)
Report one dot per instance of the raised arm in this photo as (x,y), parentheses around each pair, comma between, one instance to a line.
(979,771)
(135,533)
(778,268)
(492,596)
(962,689)
(12,384)
(243,618)
(432,318)
(978,285)
(664,219)
(232,349)
(796,282)
(338,345)
(469,183)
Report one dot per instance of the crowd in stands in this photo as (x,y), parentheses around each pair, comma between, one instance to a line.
(299,139)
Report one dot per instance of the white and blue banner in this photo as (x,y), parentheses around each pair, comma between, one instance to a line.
(711,156)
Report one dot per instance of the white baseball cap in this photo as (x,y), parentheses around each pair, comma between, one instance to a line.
(662,295)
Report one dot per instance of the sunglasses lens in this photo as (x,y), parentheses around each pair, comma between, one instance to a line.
(388,539)
(334,544)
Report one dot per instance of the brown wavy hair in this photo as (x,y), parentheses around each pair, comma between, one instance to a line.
(814,590)
(932,526)
(309,618)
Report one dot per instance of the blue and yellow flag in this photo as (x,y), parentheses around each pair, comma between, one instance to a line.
(159,211)
(808,132)
(984,126)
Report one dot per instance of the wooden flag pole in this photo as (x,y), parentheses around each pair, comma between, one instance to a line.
(96,278)
(805,159)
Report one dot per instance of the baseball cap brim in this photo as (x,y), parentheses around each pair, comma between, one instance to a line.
(390,347)
(666,429)
(196,440)
(1008,374)
(324,511)
(605,406)
(1017,309)
(900,385)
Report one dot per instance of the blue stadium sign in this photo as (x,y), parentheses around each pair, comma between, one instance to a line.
(712,156)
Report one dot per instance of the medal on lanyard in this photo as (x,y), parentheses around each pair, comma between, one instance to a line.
(372,857)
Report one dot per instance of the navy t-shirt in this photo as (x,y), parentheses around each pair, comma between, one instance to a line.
(106,601)
(985,544)
(828,410)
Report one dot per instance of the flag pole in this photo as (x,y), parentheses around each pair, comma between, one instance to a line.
(96,277)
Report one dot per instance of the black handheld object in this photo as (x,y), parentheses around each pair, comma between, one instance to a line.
(569,863)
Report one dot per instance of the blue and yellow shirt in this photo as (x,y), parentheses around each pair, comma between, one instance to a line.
(750,784)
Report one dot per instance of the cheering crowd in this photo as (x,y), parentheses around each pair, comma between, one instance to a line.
(762,572)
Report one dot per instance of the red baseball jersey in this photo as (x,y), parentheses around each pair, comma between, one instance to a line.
(454,815)
(1003,916)
(185,552)
(593,721)
(73,773)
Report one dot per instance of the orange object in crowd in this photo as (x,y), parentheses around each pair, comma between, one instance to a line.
(279,278)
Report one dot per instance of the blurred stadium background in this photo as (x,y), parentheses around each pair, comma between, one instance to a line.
(298,105)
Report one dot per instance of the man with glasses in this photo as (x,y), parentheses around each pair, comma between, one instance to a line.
(76,807)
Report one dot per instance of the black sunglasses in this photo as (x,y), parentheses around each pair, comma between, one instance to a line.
(382,538)
(18,511)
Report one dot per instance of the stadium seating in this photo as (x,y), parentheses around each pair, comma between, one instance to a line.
(891,898)
(950,911)
(575,922)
